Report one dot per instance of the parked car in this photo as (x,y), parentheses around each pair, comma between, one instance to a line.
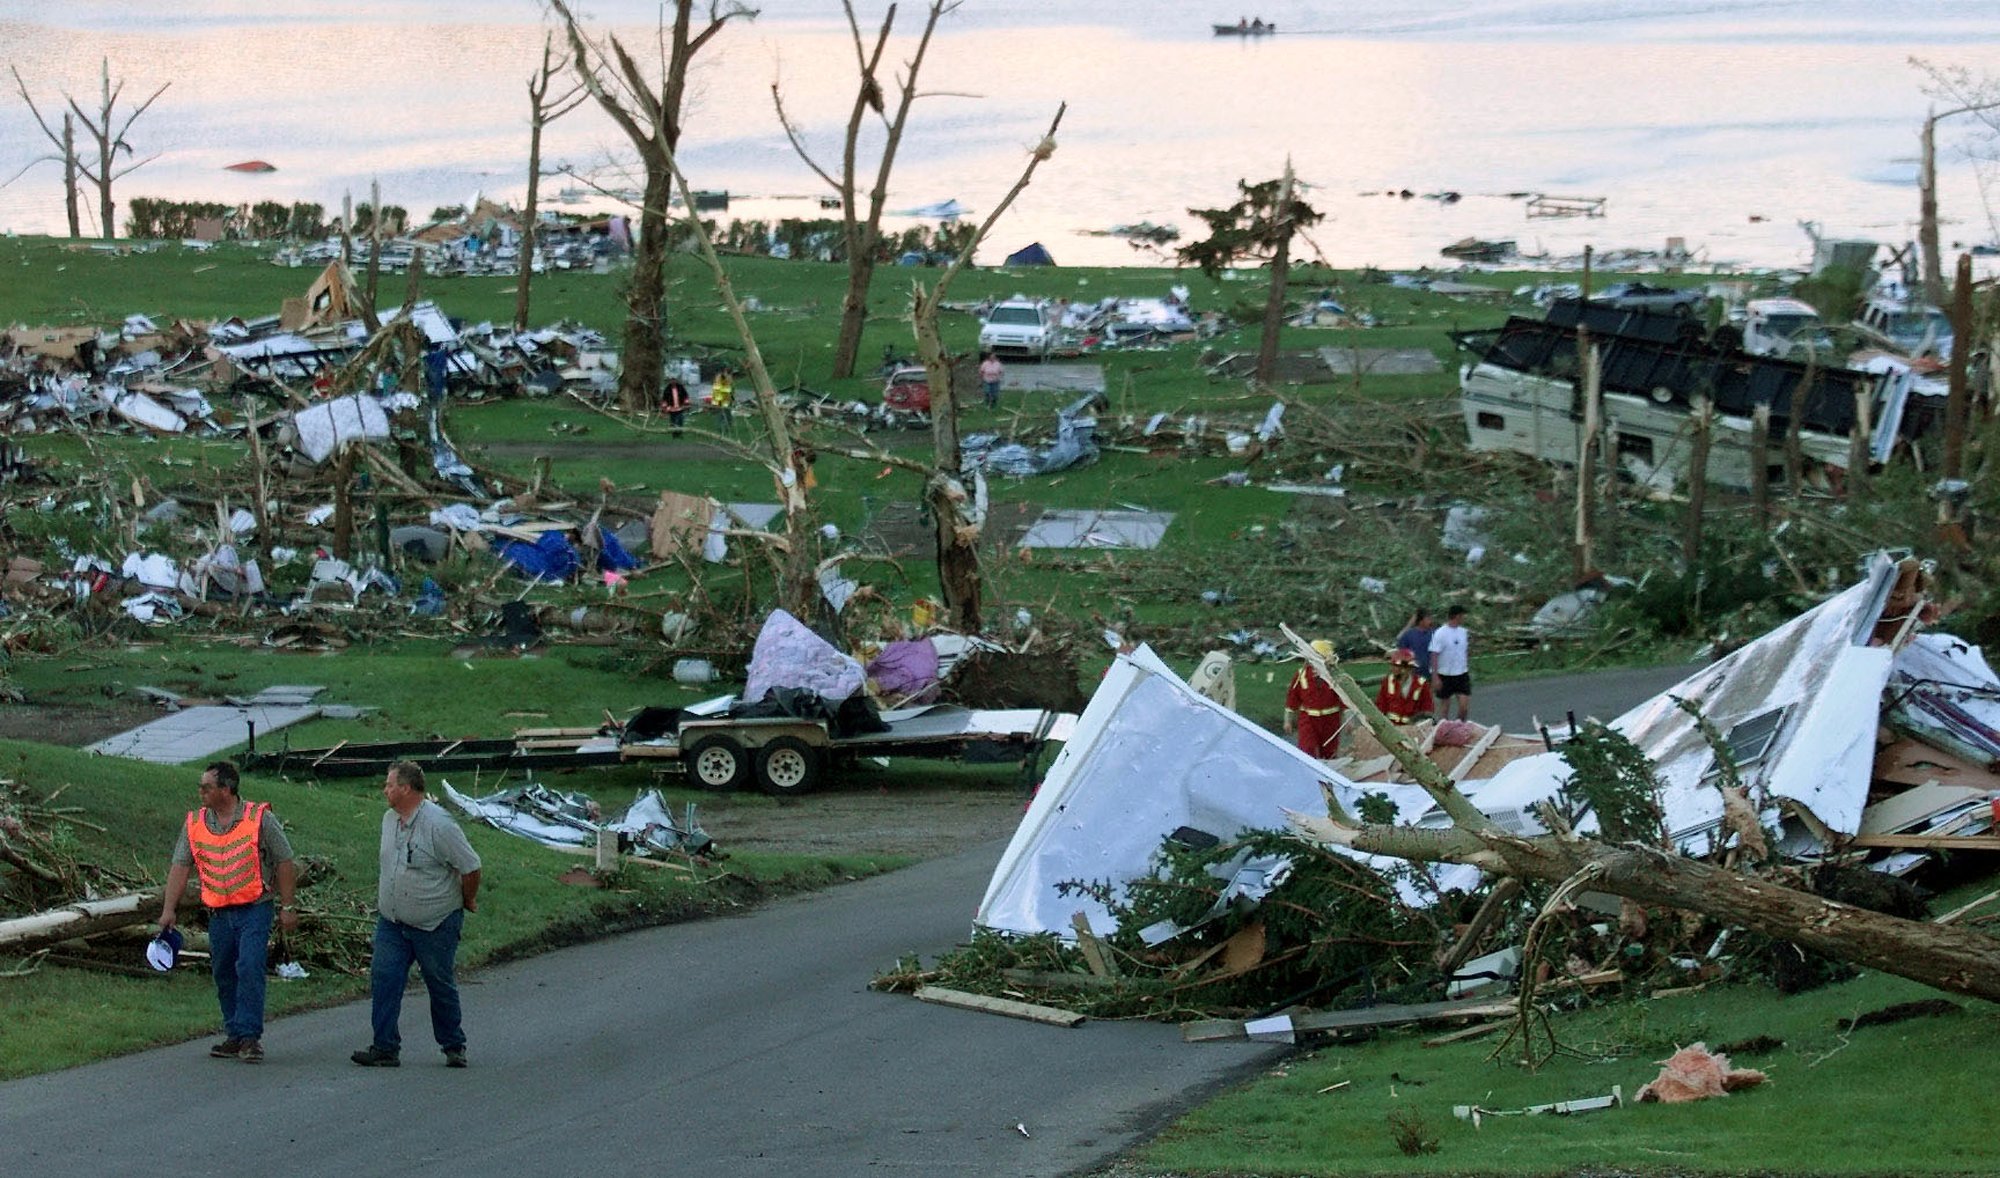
(1019,327)
(908,391)
(1639,296)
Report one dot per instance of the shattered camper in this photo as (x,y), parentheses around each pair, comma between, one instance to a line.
(1854,736)
(1522,390)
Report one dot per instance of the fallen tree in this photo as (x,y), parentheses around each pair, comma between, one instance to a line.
(1951,958)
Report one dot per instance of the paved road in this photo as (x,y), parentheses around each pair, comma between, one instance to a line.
(747,1046)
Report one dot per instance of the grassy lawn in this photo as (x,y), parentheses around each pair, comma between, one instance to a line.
(1905,1098)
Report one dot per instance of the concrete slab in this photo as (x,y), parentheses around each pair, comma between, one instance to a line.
(198,733)
(1098,529)
(1053,378)
(1381,361)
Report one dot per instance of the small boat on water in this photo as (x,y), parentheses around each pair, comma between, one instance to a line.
(1474,249)
(1255,28)
(250,166)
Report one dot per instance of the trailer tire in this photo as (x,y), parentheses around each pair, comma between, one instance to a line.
(716,763)
(787,767)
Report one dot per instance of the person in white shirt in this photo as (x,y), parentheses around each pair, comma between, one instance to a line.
(1451,662)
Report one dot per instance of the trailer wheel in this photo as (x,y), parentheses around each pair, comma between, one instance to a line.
(788,766)
(717,763)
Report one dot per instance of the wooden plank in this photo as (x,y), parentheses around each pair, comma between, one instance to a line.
(1050,979)
(1050,1015)
(1927,842)
(1473,754)
(1897,814)
(1476,1032)
(1094,954)
(1215,1030)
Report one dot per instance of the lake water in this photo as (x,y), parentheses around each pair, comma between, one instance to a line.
(1720,122)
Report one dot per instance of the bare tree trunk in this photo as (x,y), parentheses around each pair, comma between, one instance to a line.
(854,305)
(1795,424)
(1760,465)
(368,304)
(1927,212)
(1703,421)
(346,231)
(1274,303)
(1858,449)
(530,227)
(642,358)
(541,112)
(862,233)
(1957,402)
(107,150)
(1593,400)
(70,177)
(343,499)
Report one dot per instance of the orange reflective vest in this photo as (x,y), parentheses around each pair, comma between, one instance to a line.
(228,864)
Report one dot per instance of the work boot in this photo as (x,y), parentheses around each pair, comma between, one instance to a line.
(229,1048)
(251,1051)
(375,1057)
(454,1057)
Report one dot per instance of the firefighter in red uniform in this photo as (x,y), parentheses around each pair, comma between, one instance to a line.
(1405,696)
(1313,709)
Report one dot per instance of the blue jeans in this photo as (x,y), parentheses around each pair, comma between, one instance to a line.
(397,947)
(239,941)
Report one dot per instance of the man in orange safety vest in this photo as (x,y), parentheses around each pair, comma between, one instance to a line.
(238,853)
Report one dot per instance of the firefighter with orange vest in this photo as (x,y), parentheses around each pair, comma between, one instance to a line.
(1313,708)
(238,853)
(1405,696)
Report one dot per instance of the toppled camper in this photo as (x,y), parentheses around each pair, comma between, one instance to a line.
(1523,391)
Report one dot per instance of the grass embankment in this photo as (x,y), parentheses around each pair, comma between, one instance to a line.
(58,1016)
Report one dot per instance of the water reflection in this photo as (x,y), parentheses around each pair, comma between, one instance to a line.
(1722,130)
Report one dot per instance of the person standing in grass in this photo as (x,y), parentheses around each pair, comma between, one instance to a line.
(238,852)
(430,880)
(990,373)
(674,403)
(722,401)
(1451,658)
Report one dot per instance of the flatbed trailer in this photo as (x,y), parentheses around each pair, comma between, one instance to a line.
(783,756)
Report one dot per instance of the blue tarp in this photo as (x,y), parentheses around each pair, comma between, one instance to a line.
(553,558)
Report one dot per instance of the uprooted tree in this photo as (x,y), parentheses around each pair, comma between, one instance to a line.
(648,111)
(1960,960)
(1259,227)
(861,232)
(107,132)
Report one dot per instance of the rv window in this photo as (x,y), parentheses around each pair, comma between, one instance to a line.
(1637,445)
(1491,421)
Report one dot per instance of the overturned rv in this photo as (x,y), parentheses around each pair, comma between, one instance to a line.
(1522,391)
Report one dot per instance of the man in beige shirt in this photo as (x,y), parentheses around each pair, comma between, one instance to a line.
(430,880)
